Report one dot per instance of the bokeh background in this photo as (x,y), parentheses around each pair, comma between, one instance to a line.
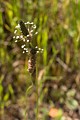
(58,26)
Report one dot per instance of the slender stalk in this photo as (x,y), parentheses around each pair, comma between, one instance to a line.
(37,106)
(27,91)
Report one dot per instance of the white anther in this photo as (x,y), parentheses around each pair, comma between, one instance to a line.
(23,46)
(31,31)
(27,40)
(17,37)
(36,47)
(23,51)
(15,40)
(18,26)
(13,37)
(34,26)
(15,31)
(21,36)
(27,35)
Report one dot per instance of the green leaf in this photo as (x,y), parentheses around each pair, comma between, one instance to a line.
(71,93)
(72,104)
(6,97)
(1,89)
(11,89)
(29,88)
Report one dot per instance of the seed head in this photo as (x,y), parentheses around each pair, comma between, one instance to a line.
(25,32)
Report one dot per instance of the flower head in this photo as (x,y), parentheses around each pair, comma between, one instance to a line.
(25,32)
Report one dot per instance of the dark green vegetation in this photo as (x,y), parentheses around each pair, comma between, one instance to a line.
(58,26)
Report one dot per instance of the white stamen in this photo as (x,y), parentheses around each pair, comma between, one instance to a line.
(23,39)
(37,51)
(26,50)
(23,46)
(27,40)
(23,51)
(18,26)
(36,33)
(15,40)
(27,22)
(34,26)
(31,31)
(17,37)
(13,37)
(27,35)
(31,23)
(39,48)
(36,47)
(21,36)
(28,29)
(15,31)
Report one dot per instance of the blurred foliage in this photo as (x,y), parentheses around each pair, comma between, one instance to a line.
(58,26)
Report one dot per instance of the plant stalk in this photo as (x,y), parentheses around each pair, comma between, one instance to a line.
(37,106)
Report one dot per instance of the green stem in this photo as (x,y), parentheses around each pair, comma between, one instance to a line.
(37,107)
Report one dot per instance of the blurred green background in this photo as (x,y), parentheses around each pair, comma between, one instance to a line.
(58,26)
